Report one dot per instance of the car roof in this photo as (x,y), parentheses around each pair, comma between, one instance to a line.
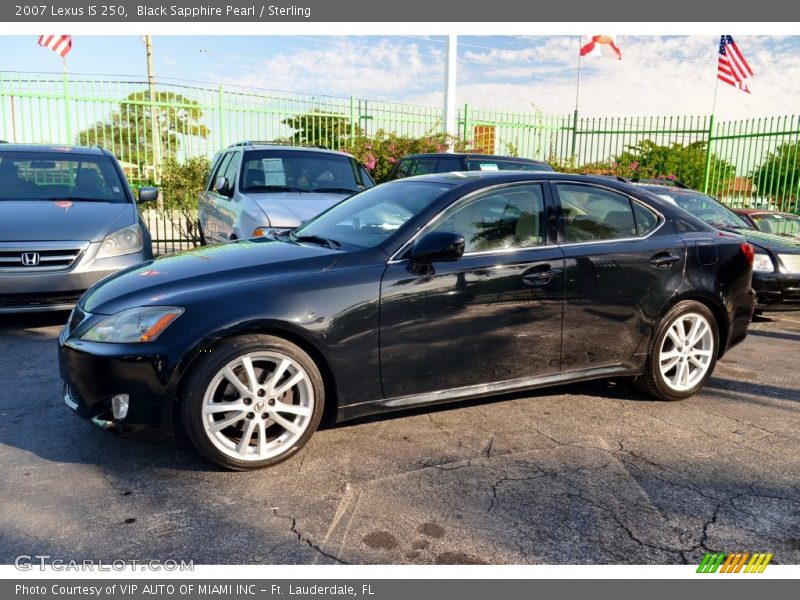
(287,147)
(81,150)
(477,178)
(761,211)
(469,155)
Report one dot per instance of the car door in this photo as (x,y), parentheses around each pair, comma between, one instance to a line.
(622,265)
(494,315)
(208,210)
(226,209)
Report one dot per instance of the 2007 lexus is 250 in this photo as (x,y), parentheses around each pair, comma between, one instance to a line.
(418,291)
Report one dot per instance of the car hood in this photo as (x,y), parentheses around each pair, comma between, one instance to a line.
(290,209)
(44,220)
(770,241)
(163,280)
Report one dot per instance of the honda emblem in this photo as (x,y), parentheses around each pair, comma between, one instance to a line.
(30,259)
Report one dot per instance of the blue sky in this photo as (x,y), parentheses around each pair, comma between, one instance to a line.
(658,75)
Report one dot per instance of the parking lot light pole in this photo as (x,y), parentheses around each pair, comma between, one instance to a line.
(450,91)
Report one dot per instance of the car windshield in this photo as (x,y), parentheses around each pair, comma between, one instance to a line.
(778,223)
(703,207)
(268,171)
(59,176)
(369,218)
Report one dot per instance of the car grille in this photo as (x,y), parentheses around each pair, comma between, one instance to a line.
(33,300)
(791,262)
(36,258)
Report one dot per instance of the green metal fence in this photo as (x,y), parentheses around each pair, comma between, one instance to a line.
(751,162)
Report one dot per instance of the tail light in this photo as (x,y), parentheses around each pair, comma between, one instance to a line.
(749,252)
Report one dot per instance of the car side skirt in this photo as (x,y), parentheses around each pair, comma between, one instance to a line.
(354,411)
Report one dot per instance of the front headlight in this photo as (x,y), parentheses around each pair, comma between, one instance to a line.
(271,231)
(123,241)
(132,326)
(763,263)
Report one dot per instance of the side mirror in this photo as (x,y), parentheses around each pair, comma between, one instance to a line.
(437,246)
(147,194)
(221,186)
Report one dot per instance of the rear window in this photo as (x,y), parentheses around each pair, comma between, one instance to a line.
(505,165)
(59,176)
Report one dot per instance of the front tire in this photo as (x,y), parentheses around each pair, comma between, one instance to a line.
(252,402)
(683,353)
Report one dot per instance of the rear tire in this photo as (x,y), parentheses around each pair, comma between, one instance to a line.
(252,402)
(683,352)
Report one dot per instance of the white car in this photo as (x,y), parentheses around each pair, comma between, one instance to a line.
(257,189)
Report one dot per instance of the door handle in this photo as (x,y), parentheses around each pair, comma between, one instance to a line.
(664,260)
(540,277)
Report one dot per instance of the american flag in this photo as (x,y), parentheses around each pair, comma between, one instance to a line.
(733,68)
(60,44)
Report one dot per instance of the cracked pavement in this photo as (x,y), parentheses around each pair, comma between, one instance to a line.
(585,473)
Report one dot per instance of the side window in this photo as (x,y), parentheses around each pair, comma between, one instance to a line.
(447,165)
(423,166)
(213,171)
(219,171)
(403,169)
(511,217)
(646,219)
(231,169)
(592,214)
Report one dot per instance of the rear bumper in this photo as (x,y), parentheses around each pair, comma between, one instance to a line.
(777,291)
(740,315)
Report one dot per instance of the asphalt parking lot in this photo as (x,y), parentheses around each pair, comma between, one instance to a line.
(588,473)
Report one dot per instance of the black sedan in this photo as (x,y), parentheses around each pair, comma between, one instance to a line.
(776,267)
(415,292)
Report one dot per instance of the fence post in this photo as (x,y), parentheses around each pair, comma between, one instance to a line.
(67,115)
(574,135)
(707,173)
(221,120)
(466,122)
(352,118)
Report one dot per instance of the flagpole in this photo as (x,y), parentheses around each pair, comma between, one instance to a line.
(67,117)
(577,97)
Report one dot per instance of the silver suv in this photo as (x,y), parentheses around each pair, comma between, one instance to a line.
(67,219)
(262,188)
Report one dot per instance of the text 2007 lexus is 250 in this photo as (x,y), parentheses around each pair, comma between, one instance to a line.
(423,290)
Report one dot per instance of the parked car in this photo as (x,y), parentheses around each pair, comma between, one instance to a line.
(447,162)
(769,221)
(776,272)
(418,291)
(260,188)
(67,219)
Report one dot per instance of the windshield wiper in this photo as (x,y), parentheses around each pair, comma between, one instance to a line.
(316,239)
(273,188)
(334,190)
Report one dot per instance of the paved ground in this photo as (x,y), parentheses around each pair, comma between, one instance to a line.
(578,474)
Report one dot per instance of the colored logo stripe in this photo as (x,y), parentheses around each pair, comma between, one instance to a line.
(733,563)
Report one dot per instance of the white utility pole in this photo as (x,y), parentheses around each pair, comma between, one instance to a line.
(155,129)
(450,89)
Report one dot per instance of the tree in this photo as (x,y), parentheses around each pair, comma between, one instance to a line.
(181,183)
(647,159)
(319,128)
(779,175)
(128,131)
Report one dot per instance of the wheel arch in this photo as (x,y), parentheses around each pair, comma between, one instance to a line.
(274,328)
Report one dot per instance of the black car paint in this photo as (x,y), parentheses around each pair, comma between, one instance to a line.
(388,334)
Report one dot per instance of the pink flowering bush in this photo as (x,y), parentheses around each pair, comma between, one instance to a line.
(380,152)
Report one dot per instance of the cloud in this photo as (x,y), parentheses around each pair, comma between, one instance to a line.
(387,69)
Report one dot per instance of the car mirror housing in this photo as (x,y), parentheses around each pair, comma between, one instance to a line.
(147,194)
(221,185)
(438,246)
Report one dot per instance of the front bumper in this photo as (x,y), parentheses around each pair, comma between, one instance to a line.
(94,372)
(777,291)
(26,290)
